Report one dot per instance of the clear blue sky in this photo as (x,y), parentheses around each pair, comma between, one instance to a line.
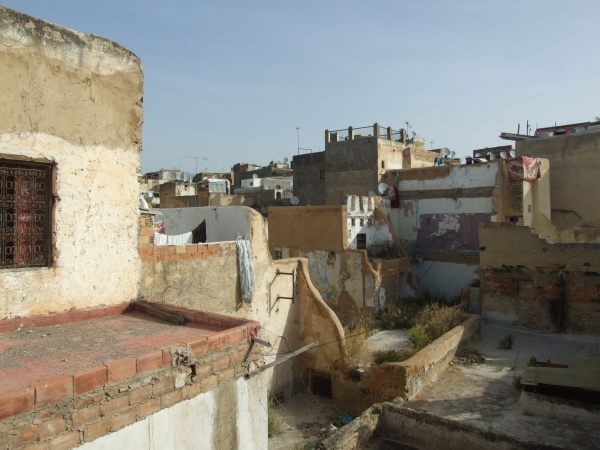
(231,80)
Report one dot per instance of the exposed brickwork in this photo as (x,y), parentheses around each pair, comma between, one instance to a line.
(91,403)
(171,253)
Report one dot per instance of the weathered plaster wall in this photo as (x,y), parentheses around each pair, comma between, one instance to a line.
(309,187)
(308,228)
(573,161)
(74,99)
(211,283)
(231,416)
(440,210)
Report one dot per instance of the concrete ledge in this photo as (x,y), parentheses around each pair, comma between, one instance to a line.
(405,379)
(533,404)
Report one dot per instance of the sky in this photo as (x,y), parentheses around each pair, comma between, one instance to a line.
(231,81)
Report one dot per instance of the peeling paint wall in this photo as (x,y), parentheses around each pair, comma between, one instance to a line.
(74,99)
(440,210)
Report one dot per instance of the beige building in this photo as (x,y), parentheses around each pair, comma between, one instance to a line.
(543,273)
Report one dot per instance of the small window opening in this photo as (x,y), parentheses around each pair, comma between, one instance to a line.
(278,254)
(361,241)
(383,164)
(322,174)
(320,384)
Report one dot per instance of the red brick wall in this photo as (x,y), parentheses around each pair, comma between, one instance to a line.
(67,411)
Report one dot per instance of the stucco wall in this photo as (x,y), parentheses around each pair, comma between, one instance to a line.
(231,416)
(573,183)
(74,99)
(308,228)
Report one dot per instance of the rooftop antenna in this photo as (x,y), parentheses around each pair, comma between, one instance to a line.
(197,158)
(431,143)
(298,131)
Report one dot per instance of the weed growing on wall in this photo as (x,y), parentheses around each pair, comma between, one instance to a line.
(275,420)
(532,362)
(359,331)
(506,342)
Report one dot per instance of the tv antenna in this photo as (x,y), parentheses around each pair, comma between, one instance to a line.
(431,143)
(197,158)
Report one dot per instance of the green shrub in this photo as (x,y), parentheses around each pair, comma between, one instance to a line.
(420,336)
(359,331)
(506,342)
(399,315)
(532,362)
(517,382)
(275,420)
(392,355)
(438,319)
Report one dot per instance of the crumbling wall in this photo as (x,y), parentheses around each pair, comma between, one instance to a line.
(74,100)
(547,287)
(573,160)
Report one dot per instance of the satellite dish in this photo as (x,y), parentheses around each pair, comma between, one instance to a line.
(512,154)
(285,160)
(205,178)
(294,200)
(255,176)
(372,194)
(413,133)
(491,156)
(445,152)
(277,186)
(382,188)
(477,155)
(451,155)
(503,155)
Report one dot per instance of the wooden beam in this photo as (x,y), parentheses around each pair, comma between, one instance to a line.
(173,318)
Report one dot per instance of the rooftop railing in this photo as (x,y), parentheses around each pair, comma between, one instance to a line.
(351,133)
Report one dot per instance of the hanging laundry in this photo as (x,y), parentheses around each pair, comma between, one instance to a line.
(177,239)
(246,269)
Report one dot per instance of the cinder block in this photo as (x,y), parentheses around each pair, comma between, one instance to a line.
(145,251)
(209,382)
(148,259)
(181,249)
(167,358)
(192,248)
(217,341)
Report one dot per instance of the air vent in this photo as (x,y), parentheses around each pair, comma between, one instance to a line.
(320,384)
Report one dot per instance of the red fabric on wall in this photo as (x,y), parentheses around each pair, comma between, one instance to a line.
(523,168)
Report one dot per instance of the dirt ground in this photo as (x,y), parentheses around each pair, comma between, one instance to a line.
(483,394)
(303,425)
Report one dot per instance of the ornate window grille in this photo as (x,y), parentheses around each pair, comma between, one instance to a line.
(24,215)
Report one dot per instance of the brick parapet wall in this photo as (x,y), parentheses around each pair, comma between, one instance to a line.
(65,411)
(150,253)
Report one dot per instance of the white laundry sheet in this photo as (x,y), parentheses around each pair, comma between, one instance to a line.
(177,239)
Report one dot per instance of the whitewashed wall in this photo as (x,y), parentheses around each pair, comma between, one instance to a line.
(232,416)
(95,230)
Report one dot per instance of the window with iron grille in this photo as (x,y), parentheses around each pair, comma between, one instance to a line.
(24,215)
